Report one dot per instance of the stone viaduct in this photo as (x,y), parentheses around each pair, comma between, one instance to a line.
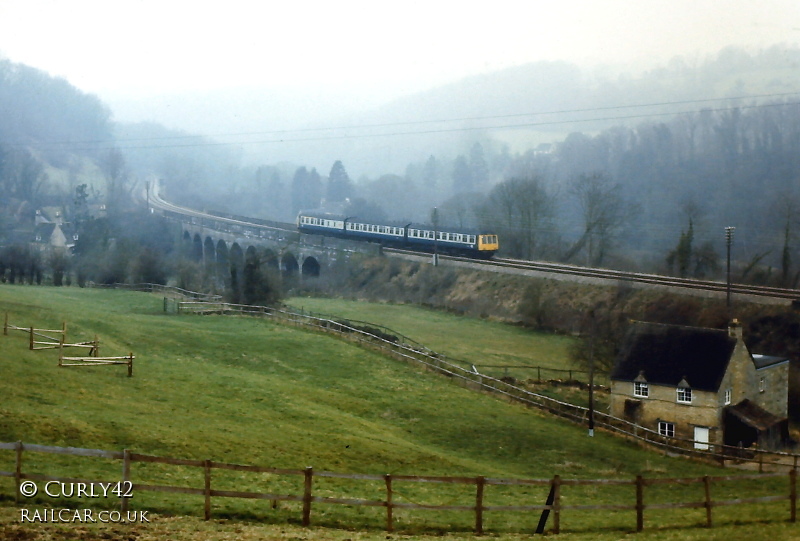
(225,244)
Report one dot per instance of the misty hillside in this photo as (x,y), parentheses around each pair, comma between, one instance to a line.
(553,99)
(670,154)
(317,126)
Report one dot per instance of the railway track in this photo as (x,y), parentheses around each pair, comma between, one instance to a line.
(497,263)
(619,276)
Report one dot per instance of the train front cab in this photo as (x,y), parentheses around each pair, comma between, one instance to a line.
(487,245)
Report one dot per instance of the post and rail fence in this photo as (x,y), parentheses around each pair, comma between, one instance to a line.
(393,345)
(48,340)
(59,343)
(556,503)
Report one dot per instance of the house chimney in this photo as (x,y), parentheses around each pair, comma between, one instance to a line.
(735,329)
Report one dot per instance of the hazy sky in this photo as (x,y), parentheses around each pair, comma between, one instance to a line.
(164,46)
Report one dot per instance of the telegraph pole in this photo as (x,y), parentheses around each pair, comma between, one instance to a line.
(591,374)
(728,241)
(435,219)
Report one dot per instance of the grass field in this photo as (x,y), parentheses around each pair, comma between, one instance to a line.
(238,389)
(475,341)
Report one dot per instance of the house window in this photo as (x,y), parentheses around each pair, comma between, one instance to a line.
(642,390)
(666,429)
(762,385)
(728,396)
(684,395)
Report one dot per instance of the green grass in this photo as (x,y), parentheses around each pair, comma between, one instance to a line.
(475,341)
(239,389)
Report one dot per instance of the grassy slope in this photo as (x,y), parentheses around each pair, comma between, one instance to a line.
(464,338)
(245,390)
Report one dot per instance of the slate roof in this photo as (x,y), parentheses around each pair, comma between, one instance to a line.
(765,361)
(669,353)
(752,415)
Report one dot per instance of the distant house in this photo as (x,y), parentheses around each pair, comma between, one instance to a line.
(701,384)
(50,234)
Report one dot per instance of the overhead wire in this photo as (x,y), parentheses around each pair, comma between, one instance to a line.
(122,143)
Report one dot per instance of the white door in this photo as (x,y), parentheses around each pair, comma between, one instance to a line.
(701,438)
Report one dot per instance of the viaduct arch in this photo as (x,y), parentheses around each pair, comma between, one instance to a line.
(293,256)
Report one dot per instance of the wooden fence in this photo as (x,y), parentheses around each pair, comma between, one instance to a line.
(395,347)
(60,343)
(97,361)
(48,341)
(172,291)
(555,503)
(542,373)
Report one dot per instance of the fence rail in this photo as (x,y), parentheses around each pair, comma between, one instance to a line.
(579,414)
(556,503)
(51,342)
(159,288)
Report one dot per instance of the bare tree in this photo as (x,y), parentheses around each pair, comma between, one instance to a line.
(521,211)
(604,213)
(23,176)
(118,183)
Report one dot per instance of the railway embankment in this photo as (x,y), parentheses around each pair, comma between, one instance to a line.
(561,305)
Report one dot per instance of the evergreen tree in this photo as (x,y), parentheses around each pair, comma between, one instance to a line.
(682,254)
(462,176)
(479,169)
(339,186)
(306,190)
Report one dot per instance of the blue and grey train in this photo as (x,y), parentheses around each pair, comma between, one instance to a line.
(413,236)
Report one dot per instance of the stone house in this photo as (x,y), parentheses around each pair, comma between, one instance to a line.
(701,384)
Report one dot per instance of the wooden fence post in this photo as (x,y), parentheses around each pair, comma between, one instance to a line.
(639,503)
(5,327)
(31,341)
(130,365)
(63,332)
(793,495)
(309,478)
(479,482)
(389,506)
(207,489)
(557,504)
(126,477)
(707,487)
(18,471)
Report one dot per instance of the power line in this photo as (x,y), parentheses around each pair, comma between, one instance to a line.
(100,144)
